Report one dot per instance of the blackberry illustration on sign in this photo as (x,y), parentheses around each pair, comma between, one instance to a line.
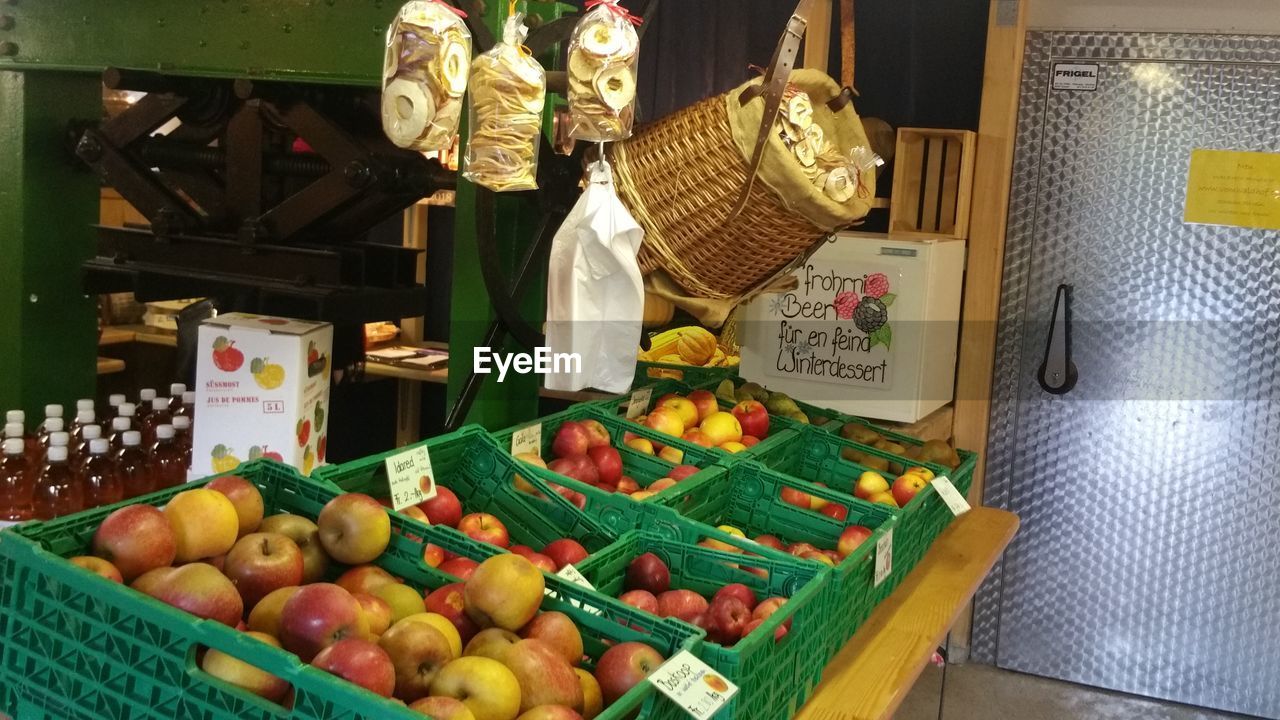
(869,327)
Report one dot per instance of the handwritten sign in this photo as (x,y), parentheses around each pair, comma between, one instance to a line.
(410,477)
(639,404)
(950,495)
(527,440)
(693,685)
(884,557)
(1240,189)
(573,575)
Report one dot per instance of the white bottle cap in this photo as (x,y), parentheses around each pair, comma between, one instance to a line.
(160,403)
(120,424)
(58,454)
(59,439)
(132,437)
(164,432)
(15,416)
(84,417)
(53,411)
(14,446)
(116,400)
(182,422)
(127,409)
(189,397)
(84,404)
(99,446)
(176,389)
(91,432)
(147,394)
(13,430)
(53,424)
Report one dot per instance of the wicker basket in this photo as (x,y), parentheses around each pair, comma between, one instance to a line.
(681,177)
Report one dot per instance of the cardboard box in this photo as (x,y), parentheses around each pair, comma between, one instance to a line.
(262,389)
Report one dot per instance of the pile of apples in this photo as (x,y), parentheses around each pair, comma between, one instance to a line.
(446,509)
(870,486)
(475,650)
(697,418)
(584,451)
(730,615)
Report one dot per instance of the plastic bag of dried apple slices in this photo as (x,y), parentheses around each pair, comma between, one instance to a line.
(508,89)
(602,73)
(424,75)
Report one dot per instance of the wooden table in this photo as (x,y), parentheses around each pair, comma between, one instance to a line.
(107,366)
(870,676)
(121,334)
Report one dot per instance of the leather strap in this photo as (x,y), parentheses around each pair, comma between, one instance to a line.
(846,96)
(772,86)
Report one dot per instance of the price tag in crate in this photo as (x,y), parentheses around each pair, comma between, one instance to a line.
(950,495)
(527,440)
(884,557)
(410,477)
(570,573)
(639,404)
(693,685)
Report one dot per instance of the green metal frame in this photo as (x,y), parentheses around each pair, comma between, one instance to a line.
(47,202)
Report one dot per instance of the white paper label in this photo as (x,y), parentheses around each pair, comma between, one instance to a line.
(639,404)
(693,685)
(570,573)
(884,556)
(950,495)
(527,440)
(410,477)
(1075,76)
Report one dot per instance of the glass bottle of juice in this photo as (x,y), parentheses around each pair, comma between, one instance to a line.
(119,426)
(145,396)
(134,466)
(16,482)
(100,477)
(88,434)
(158,416)
(114,402)
(57,490)
(166,459)
(51,413)
(182,436)
(175,397)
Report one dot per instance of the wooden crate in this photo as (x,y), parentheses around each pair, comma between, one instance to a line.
(932,183)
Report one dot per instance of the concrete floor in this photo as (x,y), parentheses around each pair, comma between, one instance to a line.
(982,692)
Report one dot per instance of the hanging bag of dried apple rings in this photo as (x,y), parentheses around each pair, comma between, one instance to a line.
(424,75)
(602,73)
(508,88)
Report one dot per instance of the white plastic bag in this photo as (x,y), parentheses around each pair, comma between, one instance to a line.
(595,293)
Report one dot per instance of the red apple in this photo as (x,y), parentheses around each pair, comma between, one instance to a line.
(608,464)
(304,534)
(697,437)
(800,548)
(449,602)
(753,417)
(729,616)
(641,599)
(815,502)
(665,420)
(906,486)
(363,579)
(792,496)
(261,562)
(485,528)
(354,528)
(648,572)
(199,589)
(317,616)
(597,435)
(244,496)
(658,486)
(768,607)
(851,538)
(680,472)
(243,675)
(627,485)
(443,708)
(98,566)
(838,512)
(682,604)
(360,662)
(560,634)
(835,556)
(819,557)
(749,440)
(377,613)
(571,439)
(459,567)
(432,555)
(417,651)
(778,634)
(624,666)
(443,509)
(135,539)
(738,590)
(705,402)
(565,552)
(771,541)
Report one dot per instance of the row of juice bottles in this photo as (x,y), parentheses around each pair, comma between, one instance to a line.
(98,459)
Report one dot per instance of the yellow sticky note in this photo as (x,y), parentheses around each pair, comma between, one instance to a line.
(1241,189)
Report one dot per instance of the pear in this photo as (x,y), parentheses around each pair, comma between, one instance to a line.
(725,391)
(779,404)
(859,433)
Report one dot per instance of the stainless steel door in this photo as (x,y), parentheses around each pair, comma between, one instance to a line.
(1149,555)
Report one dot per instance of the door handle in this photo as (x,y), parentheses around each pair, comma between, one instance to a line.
(1057,374)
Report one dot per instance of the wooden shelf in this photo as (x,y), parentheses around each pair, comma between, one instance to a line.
(108,366)
(121,334)
(870,676)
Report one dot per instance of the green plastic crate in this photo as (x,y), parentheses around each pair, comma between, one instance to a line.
(607,507)
(482,474)
(774,677)
(648,372)
(79,646)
